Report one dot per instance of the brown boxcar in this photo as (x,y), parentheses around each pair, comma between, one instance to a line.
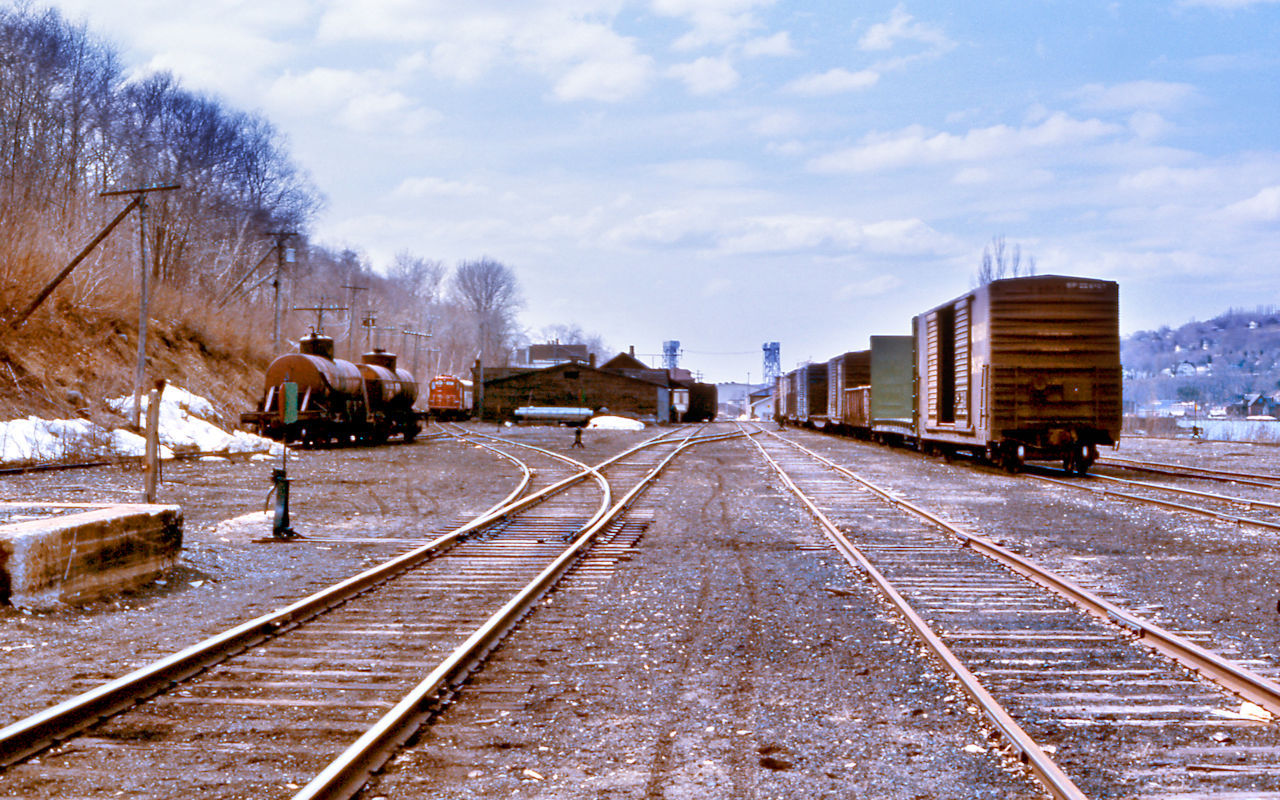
(703,403)
(811,393)
(787,407)
(845,372)
(1022,368)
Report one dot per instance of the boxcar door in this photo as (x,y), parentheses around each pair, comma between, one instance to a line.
(962,363)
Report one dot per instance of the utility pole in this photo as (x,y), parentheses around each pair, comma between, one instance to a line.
(140,369)
(351,319)
(281,257)
(368,321)
(320,311)
(418,336)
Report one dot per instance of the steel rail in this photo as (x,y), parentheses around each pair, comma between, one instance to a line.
(1230,676)
(1238,501)
(35,733)
(605,490)
(1137,498)
(525,479)
(1162,468)
(1045,769)
(694,438)
(344,777)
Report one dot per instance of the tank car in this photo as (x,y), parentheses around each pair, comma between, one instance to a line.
(1022,368)
(338,402)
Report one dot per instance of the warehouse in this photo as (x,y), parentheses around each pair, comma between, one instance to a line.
(578,386)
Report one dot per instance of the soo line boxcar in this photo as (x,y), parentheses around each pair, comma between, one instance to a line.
(1019,369)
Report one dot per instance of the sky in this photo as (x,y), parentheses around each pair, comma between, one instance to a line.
(730,172)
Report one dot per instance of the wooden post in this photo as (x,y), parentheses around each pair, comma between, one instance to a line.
(153,442)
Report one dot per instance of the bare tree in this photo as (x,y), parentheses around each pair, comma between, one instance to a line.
(420,277)
(572,333)
(489,292)
(998,261)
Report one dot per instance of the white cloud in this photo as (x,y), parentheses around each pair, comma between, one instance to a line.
(914,146)
(706,172)
(713,22)
(774,124)
(902,27)
(1227,4)
(1135,95)
(587,60)
(361,101)
(573,44)
(1148,125)
(666,227)
(972,176)
(706,75)
(717,286)
(778,44)
(1164,179)
(835,81)
(606,81)
(1262,207)
(871,287)
(711,231)
(437,187)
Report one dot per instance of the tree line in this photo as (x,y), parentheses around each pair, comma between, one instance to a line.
(73,124)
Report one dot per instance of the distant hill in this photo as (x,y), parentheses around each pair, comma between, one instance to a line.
(1214,362)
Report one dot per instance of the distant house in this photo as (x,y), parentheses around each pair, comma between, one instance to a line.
(553,353)
(1185,369)
(1253,404)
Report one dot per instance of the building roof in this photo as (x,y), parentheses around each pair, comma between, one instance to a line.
(547,371)
(624,361)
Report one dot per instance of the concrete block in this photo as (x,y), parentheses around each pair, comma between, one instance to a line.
(55,553)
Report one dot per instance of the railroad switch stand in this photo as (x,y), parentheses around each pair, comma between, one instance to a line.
(280,487)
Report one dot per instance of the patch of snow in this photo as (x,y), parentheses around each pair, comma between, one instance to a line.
(184,424)
(610,423)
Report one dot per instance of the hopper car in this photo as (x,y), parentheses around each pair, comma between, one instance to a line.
(1019,369)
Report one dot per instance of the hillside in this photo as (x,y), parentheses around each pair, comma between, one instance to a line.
(65,362)
(1215,361)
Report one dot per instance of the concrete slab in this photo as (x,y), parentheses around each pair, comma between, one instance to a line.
(67,553)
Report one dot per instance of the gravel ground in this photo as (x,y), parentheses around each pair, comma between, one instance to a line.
(731,656)
(1183,571)
(734,656)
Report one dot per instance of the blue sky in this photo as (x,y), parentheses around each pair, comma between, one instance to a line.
(730,172)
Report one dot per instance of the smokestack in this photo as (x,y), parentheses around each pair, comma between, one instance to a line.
(633,351)
(591,360)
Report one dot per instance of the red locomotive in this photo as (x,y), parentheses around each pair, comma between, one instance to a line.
(449,397)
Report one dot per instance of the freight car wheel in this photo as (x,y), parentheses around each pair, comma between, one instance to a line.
(1011,458)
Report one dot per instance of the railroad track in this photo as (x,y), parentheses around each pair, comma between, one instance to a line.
(308,700)
(1180,470)
(1081,691)
(1263,505)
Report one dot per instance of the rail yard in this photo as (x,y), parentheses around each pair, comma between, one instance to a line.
(710,641)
